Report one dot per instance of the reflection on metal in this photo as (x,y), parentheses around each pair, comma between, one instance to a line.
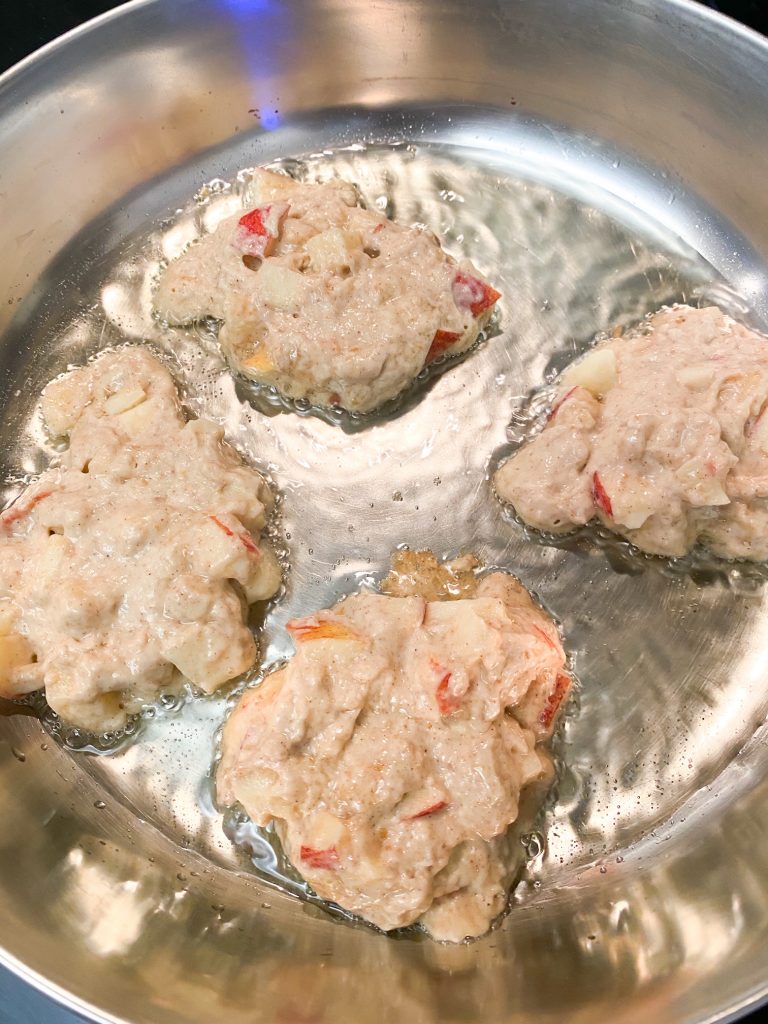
(562,147)
(109,912)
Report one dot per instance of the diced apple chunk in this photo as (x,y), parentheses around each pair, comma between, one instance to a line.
(330,251)
(281,287)
(220,552)
(326,830)
(9,615)
(696,377)
(269,185)
(53,553)
(627,499)
(63,403)
(15,652)
(702,488)
(123,400)
(259,229)
(136,418)
(321,842)
(266,578)
(634,516)
(242,536)
(260,361)
(596,372)
(208,664)
(473,294)
(710,492)
(440,342)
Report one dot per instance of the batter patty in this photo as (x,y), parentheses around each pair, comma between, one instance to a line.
(661,435)
(325,300)
(130,566)
(392,749)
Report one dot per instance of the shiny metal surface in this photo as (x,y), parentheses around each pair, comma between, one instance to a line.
(596,159)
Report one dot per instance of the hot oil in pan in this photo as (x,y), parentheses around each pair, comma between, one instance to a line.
(665,658)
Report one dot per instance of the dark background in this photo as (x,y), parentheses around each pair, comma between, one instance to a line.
(24,26)
(27,24)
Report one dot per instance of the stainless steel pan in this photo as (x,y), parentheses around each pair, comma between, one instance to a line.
(597,158)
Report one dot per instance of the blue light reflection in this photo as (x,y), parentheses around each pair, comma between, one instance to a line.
(263,29)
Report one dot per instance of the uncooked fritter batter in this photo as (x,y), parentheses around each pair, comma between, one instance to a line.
(661,435)
(392,749)
(323,299)
(130,566)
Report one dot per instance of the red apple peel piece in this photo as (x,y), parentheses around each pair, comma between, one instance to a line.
(246,540)
(427,811)
(259,229)
(545,637)
(554,700)
(447,702)
(471,293)
(326,860)
(17,511)
(556,407)
(441,341)
(600,496)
